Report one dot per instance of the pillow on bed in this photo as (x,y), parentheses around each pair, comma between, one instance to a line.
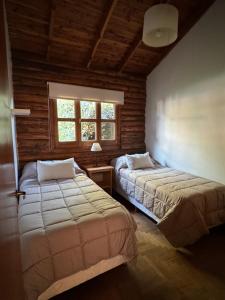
(139,161)
(30,170)
(119,163)
(48,170)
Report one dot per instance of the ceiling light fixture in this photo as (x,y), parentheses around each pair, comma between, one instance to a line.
(160,25)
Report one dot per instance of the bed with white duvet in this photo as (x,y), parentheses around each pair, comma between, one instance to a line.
(184,206)
(70,231)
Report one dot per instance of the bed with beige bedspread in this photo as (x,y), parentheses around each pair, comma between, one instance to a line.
(67,226)
(185,206)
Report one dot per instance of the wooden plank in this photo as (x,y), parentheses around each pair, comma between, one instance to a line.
(25,61)
(105,35)
(51,26)
(102,31)
(137,42)
(33,5)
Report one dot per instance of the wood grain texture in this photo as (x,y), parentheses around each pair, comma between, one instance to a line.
(103,176)
(33,133)
(11,285)
(161,272)
(103,35)
(100,35)
(51,26)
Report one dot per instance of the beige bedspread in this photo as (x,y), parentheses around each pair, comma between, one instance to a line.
(67,226)
(186,205)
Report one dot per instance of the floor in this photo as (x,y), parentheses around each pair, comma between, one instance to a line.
(160,271)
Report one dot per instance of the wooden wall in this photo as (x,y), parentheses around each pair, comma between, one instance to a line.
(30,91)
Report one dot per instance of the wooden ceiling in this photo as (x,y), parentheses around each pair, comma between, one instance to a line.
(103,35)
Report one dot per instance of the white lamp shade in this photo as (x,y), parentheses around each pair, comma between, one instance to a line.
(96,147)
(160,25)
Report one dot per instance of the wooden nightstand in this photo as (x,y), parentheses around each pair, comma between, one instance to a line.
(102,176)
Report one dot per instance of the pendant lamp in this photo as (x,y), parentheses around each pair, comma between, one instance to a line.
(160,25)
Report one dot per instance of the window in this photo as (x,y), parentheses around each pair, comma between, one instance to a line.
(82,122)
(66,123)
(108,128)
(88,117)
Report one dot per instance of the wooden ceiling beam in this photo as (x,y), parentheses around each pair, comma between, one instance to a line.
(133,51)
(102,31)
(51,26)
(27,57)
(58,40)
(130,52)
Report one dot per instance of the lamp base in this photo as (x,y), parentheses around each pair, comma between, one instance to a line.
(96,160)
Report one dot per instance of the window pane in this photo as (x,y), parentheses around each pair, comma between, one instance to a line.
(87,110)
(107,131)
(65,108)
(107,111)
(66,131)
(88,131)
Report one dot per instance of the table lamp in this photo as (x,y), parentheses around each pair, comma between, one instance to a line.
(96,147)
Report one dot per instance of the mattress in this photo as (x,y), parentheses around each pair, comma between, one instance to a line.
(186,206)
(67,226)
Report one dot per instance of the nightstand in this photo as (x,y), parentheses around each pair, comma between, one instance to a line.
(102,176)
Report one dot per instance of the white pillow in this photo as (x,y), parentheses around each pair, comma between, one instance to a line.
(139,161)
(29,171)
(48,170)
(119,163)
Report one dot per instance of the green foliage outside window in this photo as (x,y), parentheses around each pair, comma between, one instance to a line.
(107,111)
(88,131)
(107,131)
(87,110)
(66,131)
(65,108)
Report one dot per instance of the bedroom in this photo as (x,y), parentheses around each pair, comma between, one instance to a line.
(77,81)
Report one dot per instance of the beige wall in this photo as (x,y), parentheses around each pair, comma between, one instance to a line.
(185,110)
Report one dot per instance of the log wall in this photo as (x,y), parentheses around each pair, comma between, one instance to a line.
(30,91)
